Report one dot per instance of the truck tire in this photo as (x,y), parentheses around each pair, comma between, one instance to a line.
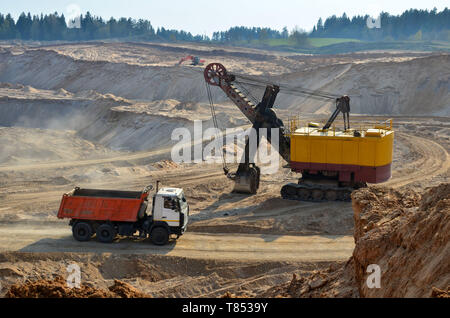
(106,233)
(159,236)
(82,231)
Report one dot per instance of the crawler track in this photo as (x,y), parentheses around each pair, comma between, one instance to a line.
(315,193)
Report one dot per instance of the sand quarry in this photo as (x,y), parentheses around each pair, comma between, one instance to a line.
(100,115)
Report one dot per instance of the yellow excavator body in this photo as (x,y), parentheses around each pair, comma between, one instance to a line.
(363,155)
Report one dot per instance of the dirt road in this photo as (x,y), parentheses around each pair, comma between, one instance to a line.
(432,160)
(58,238)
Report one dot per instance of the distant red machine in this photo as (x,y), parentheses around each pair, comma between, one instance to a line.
(195,60)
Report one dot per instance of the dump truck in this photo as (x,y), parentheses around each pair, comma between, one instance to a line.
(109,213)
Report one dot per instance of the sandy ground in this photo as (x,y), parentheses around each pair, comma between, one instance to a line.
(245,247)
(101,116)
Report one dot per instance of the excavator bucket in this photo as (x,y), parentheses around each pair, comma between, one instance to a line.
(247,181)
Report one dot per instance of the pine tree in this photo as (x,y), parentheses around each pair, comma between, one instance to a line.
(23,26)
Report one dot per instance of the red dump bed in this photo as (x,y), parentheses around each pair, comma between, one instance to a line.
(103,205)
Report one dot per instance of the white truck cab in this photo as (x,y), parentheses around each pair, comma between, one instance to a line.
(170,211)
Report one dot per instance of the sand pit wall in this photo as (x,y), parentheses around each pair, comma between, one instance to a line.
(38,275)
(99,119)
(45,69)
(46,114)
(419,86)
(383,88)
(407,234)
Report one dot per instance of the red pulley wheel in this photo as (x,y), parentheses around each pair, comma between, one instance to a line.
(213,72)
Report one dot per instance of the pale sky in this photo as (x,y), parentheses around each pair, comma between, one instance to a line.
(207,16)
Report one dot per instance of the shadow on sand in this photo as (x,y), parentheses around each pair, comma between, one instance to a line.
(122,245)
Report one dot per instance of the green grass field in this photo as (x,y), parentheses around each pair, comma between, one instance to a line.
(344,45)
(319,42)
(315,42)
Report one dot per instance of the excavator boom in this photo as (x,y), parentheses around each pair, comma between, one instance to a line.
(261,116)
(216,75)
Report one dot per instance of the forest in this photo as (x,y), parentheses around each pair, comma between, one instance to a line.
(410,25)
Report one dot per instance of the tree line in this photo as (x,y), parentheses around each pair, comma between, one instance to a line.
(412,24)
(245,34)
(53,26)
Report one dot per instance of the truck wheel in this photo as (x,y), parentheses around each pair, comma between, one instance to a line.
(82,231)
(106,233)
(159,236)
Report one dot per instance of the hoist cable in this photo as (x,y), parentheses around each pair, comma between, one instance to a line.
(216,126)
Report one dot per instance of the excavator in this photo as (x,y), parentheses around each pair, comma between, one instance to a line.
(332,163)
(195,60)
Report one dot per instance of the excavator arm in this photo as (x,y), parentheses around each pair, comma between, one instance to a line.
(216,75)
(262,115)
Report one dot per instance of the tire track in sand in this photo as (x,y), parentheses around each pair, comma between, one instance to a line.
(433,161)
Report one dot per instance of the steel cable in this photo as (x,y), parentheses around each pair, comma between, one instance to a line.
(216,125)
